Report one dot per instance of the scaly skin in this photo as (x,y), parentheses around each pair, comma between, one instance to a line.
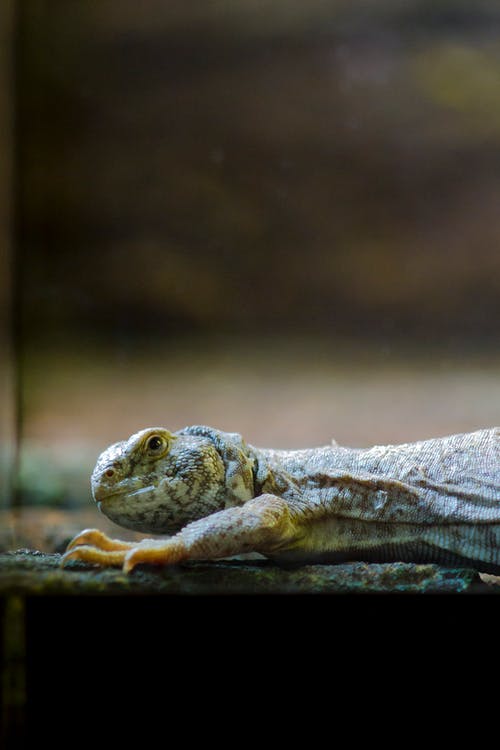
(431,501)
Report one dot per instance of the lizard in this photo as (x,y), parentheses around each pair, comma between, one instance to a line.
(215,496)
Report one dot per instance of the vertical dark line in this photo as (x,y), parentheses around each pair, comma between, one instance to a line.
(13,672)
(17,252)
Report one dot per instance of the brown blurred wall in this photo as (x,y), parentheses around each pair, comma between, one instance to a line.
(328,168)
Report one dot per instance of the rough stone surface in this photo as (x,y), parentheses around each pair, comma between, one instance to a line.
(30,572)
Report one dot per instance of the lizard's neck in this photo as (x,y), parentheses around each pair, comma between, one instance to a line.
(239,464)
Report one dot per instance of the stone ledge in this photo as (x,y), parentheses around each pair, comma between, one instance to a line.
(29,572)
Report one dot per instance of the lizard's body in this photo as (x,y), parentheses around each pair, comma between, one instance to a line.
(431,501)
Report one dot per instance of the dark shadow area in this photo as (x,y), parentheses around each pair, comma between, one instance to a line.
(206,658)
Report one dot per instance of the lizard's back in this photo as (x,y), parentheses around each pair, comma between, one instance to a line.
(424,500)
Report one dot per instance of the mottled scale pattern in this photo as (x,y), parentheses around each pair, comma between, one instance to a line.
(433,500)
(439,480)
(159,495)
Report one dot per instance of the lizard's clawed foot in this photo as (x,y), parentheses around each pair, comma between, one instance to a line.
(93,546)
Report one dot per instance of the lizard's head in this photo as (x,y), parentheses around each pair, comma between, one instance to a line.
(158,481)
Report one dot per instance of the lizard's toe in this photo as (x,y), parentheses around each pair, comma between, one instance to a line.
(96,538)
(86,553)
(87,536)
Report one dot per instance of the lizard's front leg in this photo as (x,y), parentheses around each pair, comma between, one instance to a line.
(261,525)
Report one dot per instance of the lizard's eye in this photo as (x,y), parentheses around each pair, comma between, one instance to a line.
(155,445)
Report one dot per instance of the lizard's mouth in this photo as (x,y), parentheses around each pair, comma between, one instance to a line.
(101,496)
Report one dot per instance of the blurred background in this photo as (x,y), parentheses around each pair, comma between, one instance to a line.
(277,218)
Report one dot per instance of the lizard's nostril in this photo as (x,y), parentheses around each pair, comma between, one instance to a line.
(109,473)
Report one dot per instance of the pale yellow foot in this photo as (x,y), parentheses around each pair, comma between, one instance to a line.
(93,546)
